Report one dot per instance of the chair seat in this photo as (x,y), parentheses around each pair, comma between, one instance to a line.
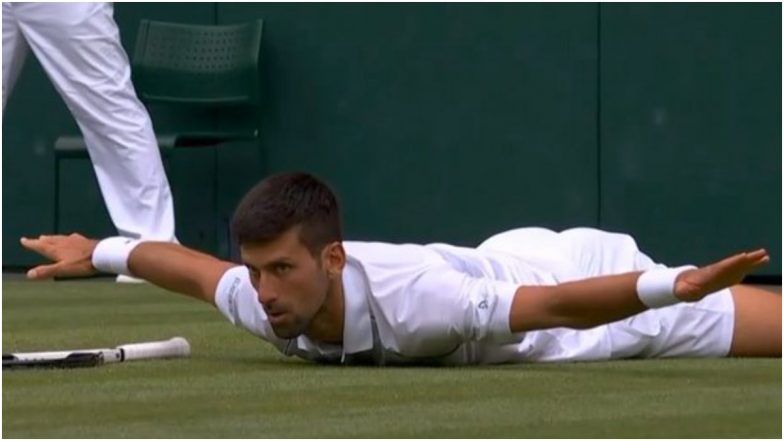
(74,146)
(202,139)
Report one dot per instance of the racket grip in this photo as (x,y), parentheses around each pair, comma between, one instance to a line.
(174,347)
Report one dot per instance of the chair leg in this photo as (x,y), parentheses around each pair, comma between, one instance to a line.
(56,214)
(216,212)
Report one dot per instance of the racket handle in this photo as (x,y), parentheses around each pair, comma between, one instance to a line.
(174,347)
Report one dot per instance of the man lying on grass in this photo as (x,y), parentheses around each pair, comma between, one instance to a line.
(526,295)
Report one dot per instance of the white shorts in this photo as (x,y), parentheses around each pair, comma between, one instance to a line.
(700,329)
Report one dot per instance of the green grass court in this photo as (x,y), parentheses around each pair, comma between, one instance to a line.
(237,386)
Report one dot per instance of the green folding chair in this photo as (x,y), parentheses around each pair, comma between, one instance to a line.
(204,68)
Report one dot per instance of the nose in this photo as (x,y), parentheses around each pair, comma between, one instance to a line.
(265,290)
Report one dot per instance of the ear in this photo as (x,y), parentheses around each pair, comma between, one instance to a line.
(334,258)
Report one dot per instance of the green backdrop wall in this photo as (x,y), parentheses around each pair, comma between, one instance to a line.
(449,122)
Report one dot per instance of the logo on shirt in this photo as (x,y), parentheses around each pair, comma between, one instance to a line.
(233,291)
(483,303)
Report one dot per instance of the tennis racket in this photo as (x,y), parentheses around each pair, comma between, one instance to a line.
(172,348)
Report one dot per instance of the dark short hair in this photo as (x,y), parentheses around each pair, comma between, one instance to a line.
(285,200)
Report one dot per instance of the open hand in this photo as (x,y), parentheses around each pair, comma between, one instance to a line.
(72,256)
(693,285)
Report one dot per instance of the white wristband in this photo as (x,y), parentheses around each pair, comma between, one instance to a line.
(111,255)
(655,287)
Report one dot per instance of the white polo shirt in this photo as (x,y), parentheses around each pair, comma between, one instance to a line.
(432,304)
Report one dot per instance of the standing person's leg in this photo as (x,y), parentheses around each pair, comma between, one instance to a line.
(14,50)
(78,44)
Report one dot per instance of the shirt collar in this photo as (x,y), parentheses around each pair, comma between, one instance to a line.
(357,328)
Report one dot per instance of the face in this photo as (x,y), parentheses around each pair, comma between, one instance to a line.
(293,286)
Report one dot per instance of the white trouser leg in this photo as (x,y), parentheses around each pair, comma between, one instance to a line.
(78,45)
(14,51)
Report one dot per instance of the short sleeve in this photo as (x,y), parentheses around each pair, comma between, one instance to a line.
(477,308)
(232,288)
(441,308)
(236,298)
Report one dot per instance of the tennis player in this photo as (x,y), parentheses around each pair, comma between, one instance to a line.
(526,295)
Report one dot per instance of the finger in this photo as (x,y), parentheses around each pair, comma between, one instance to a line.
(43,271)
(764,260)
(31,244)
(736,261)
(752,259)
(39,247)
(749,259)
(757,254)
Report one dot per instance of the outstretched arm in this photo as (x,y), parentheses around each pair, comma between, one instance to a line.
(599,300)
(168,265)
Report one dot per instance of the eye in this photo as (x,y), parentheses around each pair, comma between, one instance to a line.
(282,268)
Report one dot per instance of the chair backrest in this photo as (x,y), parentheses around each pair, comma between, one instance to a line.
(198,64)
